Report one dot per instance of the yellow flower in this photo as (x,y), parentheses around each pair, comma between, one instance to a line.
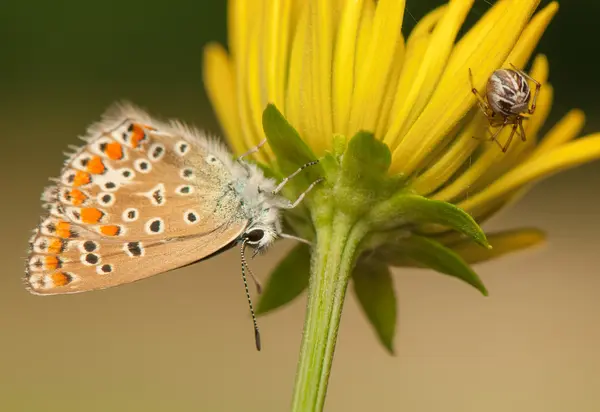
(337,67)
(393,123)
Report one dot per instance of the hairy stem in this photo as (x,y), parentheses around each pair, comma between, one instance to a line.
(338,239)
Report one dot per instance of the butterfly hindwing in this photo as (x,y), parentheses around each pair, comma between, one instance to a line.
(151,197)
(86,264)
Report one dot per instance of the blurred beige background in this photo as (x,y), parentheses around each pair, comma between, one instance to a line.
(183,341)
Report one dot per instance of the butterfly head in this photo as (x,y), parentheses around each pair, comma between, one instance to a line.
(262,207)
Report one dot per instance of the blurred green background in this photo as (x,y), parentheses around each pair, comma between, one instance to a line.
(183,341)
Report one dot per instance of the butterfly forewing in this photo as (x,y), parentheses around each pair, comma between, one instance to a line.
(138,199)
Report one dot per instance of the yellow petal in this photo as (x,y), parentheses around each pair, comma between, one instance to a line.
(390,93)
(372,78)
(232,27)
(220,87)
(502,244)
(297,112)
(430,69)
(564,157)
(531,36)
(453,98)
(416,47)
(565,130)
(451,160)
(255,93)
(297,6)
(365,32)
(343,63)
(276,44)
(247,74)
(321,37)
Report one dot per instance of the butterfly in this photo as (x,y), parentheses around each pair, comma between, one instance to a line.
(143,197)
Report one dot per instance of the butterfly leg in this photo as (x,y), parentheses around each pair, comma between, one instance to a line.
(253,150)
(296,238)
(287,179)
(303,194)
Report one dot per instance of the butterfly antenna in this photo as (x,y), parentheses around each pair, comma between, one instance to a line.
(253,150)
(244,268)
(287,179)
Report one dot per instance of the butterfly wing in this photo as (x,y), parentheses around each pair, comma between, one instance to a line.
(140,198)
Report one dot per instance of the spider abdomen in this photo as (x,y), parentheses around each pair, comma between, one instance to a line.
(508,92)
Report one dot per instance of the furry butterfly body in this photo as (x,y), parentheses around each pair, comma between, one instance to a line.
(143,197)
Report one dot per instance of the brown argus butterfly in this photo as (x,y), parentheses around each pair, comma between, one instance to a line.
(144,197)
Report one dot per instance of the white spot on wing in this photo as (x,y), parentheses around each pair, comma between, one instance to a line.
(187,173)
(154,226)
(182,148)
(127,173)
(156,152)
(106,199)
(130,214)
(184,190)
(156,195)
(91,259)
(190,217)
(104,269)
(143,166)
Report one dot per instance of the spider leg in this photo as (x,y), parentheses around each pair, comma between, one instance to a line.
(507,144)
(522,130)
(494,137)
(485,108)
(538,87)
(493,121)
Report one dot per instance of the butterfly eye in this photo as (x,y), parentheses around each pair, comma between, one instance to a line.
(255,236)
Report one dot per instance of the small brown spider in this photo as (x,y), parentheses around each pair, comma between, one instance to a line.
(508,95)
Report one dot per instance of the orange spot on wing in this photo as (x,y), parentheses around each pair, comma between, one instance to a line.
(63,229)
(81,178)
(77,197)
(110,230)
(55,246)
(137,135)
(96,166)
(51,262)
(114,151)
(60,279)
(91,215)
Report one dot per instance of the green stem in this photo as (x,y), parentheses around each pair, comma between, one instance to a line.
(333,260)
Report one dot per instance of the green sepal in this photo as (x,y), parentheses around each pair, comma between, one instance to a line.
(287,281)
(374,289)
(411,209)
(427,253)
(331,166)
(366,158)
(340,142)
(289,148)
(363,178)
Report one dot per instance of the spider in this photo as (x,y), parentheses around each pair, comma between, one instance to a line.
(508,95)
